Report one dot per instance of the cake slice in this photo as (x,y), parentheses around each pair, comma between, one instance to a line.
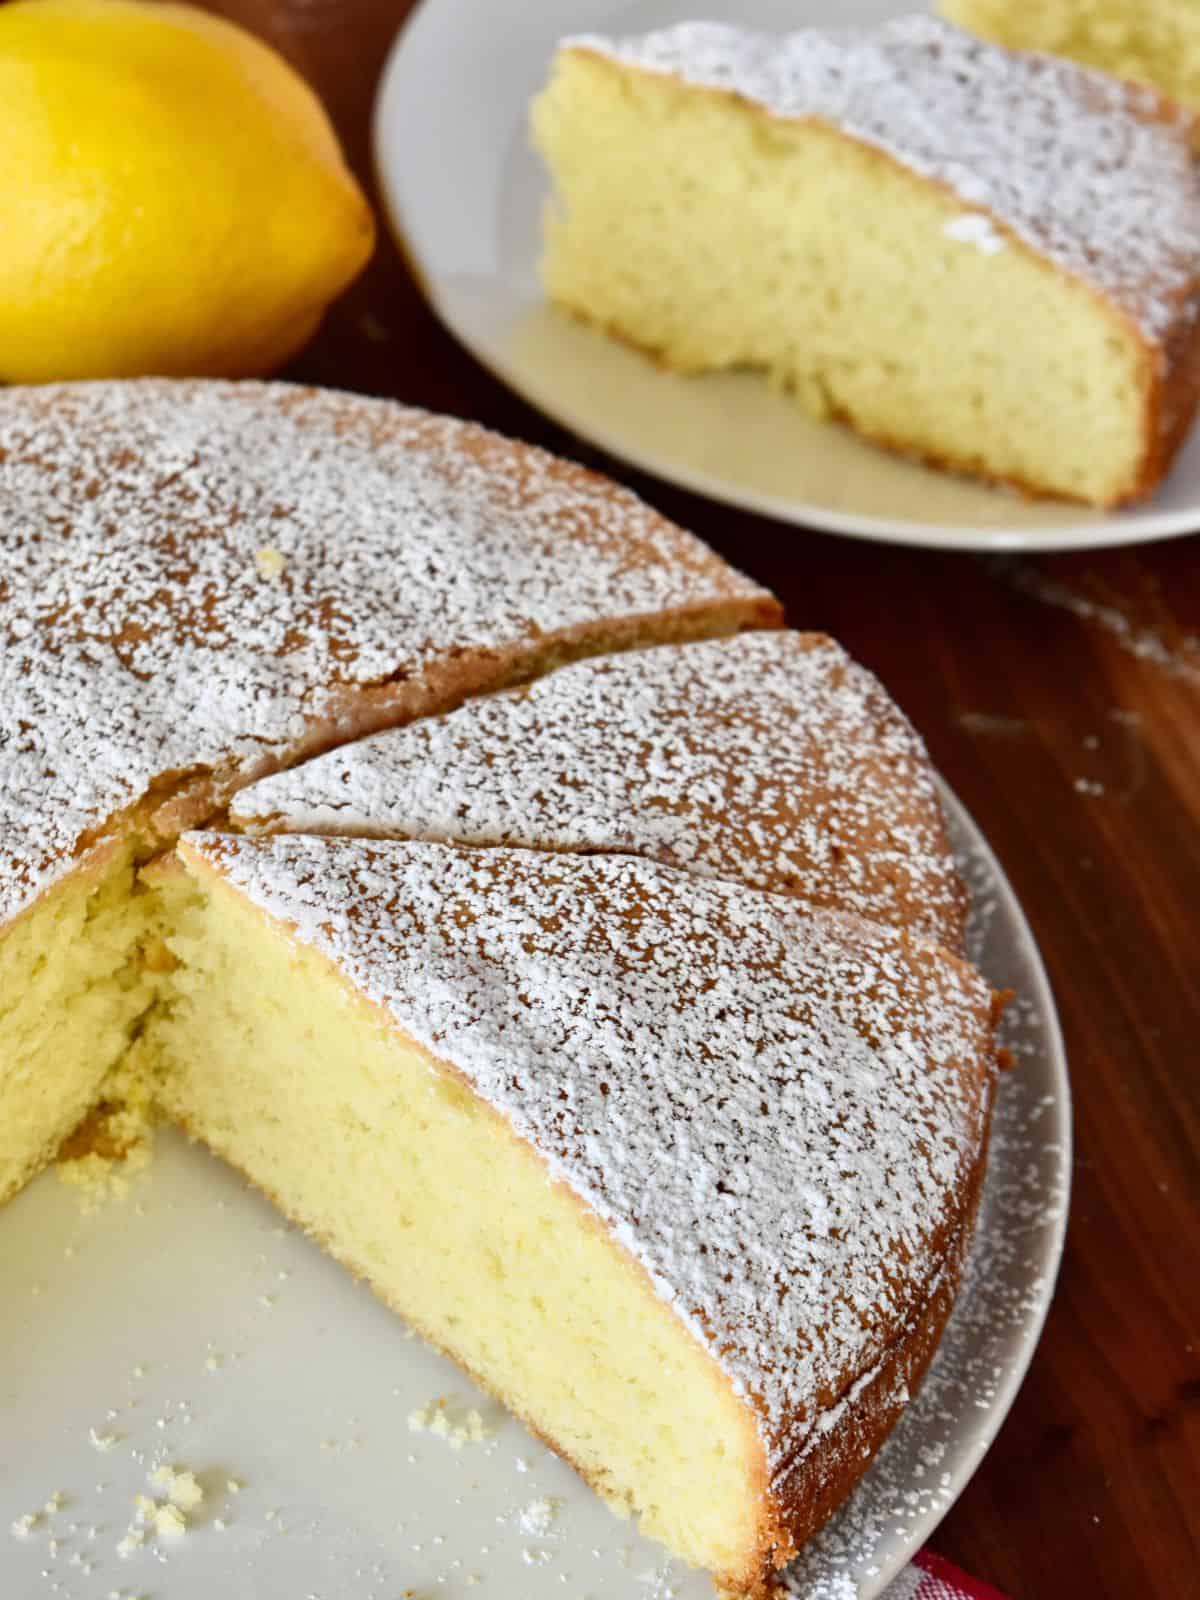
(989,259)
(682,1172)
(202,582)
(1155,42)
(770,758)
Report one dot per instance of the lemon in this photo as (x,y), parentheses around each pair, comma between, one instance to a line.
(172,196)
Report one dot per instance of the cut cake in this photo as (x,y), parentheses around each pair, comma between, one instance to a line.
(988,259)
(684,1173)
(704,1159)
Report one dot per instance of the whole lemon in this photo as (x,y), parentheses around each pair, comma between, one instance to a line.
(172,196)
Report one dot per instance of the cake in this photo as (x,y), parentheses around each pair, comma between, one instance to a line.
(1155,42)
(988,259)
(201,582)
(681,1171)
(697,1141)
(768,758)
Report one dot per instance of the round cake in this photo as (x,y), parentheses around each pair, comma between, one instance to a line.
(639,1026)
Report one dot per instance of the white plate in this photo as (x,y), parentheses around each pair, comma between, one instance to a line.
(109,1322)
(465,194)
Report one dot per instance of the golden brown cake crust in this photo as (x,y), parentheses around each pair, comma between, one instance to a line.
(816,1485)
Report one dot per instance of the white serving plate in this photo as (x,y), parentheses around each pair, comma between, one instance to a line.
(465,194)
(109,1322)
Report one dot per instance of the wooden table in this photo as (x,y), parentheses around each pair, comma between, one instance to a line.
(1060,696)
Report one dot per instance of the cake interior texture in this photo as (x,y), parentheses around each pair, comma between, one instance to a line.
(268,1055)
(74,989)
(1156,42)
(714,236)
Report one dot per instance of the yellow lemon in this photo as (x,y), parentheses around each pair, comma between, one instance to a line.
(172,196)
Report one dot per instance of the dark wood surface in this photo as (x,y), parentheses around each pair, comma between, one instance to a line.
(1060,696)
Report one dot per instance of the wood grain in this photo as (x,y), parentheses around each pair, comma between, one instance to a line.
(1061,698)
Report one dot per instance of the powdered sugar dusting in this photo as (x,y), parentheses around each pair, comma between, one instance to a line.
(140,635)
(770,1108)
(771,758)
(1092,172)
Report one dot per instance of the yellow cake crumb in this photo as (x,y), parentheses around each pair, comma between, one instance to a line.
(170,1522)
(181,1487)
(113,1144)
(469,1428)
(132,1540)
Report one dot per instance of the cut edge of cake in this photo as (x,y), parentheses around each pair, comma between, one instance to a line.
(74,958)
(778,1494)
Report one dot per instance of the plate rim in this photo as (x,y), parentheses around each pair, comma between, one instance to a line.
(1097,529)
(1056,1057)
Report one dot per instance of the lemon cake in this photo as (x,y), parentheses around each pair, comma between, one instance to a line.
(1155,42)
(770,758)
(985,258)
(683,1172)
(702,1158)
(201,582)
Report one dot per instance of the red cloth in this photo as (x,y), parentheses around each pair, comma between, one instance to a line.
(932,1577)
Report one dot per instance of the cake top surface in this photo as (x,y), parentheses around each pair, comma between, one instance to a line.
(769,757)
(777,1112)
(1097,174)
(193,573)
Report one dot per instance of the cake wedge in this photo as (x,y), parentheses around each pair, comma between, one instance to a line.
(985,258)
(770,759)
(682,1172)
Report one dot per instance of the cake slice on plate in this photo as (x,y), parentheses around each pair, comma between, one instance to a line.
(771,758)
(682,1172)
(989,259)
(201,582)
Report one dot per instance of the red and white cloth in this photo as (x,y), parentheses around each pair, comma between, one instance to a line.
(932,1577)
